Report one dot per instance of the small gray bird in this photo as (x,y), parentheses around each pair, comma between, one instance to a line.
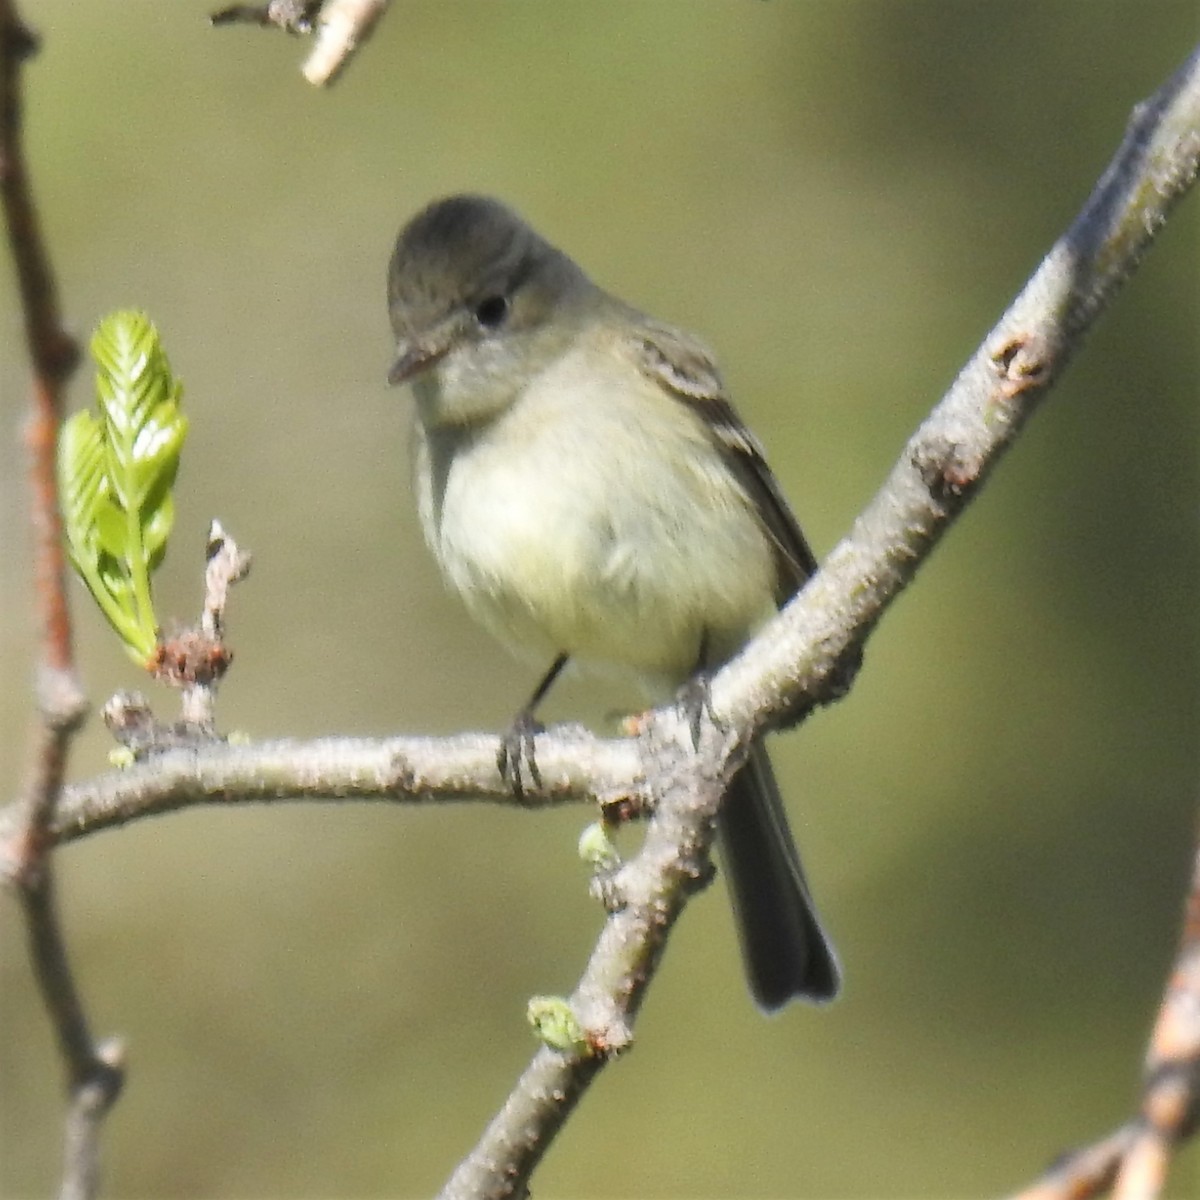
(588,490)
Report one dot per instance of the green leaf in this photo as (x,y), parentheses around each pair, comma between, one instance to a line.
(116,468)
(157,527)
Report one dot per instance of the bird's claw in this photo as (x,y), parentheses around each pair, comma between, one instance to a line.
(694,700)
(517,757)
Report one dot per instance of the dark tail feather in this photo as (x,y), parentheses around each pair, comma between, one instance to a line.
(784,948)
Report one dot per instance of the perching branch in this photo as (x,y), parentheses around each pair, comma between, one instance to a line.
(804,657)
(404,769)
(93,1073)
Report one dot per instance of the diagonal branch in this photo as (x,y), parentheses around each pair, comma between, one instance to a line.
(806,656)
(964,437)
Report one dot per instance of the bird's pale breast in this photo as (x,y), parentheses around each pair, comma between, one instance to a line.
(625,558)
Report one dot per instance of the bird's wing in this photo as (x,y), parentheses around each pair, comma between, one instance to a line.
(685,368)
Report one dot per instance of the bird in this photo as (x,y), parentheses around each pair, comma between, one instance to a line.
(588,490)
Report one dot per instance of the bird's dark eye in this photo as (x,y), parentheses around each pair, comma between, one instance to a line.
(491,311)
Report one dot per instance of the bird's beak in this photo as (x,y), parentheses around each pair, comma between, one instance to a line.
(413,358)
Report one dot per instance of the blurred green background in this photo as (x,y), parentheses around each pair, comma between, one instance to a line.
(841,197)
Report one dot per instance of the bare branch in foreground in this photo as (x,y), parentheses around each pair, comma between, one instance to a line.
(93,1078)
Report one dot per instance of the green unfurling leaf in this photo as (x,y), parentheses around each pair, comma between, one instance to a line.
(116,467)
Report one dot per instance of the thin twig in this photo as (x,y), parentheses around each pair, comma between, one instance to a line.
(292,16)
(342,28)
(195,659)
(93,1078)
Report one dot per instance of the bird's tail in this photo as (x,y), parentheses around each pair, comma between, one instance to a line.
(784,948)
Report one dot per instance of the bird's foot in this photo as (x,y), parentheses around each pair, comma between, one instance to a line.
(516,759)
(694,699)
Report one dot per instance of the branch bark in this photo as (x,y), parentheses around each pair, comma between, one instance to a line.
(573,765)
